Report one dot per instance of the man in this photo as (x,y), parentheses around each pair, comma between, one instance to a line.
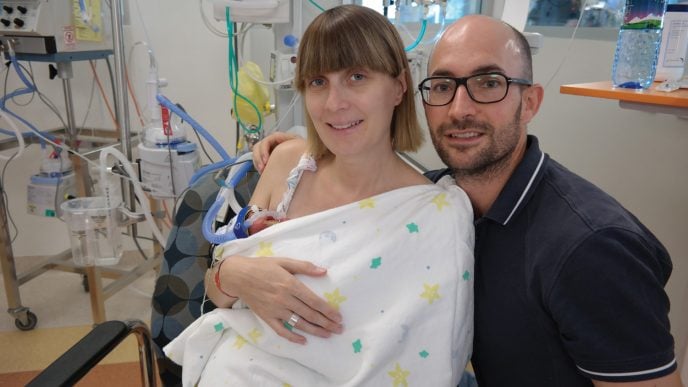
(568,284)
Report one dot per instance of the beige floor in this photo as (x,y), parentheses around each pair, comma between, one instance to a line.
(64,316)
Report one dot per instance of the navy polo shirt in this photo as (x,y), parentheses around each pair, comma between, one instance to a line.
(569,285)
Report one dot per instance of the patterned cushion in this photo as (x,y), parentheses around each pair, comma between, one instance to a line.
(179,291)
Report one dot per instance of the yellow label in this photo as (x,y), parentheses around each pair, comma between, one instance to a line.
(88,20)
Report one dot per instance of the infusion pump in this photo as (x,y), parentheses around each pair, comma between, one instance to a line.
(55,26)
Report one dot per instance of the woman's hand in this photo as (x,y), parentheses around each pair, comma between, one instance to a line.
(262,149)
(268,286)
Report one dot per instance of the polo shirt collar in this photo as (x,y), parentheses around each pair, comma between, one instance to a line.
(520,187)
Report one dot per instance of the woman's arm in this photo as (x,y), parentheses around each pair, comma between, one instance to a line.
(267,285)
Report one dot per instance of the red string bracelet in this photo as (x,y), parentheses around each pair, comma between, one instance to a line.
(217,281)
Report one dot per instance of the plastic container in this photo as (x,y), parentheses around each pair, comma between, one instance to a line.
(637,48)
(93,231)
(674,49)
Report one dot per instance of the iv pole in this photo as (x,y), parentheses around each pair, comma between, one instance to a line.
(24,318)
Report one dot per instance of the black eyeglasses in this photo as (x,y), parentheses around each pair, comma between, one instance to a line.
(482,88)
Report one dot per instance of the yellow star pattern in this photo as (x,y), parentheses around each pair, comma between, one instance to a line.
(440,201)
(265,249)
(367,203)
(334,298)
(239,342)
(399,376)
(255,335)
(431,292)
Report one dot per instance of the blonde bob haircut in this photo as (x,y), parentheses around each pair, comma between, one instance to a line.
(352,36)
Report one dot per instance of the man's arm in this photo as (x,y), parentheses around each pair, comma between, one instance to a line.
(671,380)
(612,311)
(262,149)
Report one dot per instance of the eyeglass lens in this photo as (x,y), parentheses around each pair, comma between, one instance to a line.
(483,88)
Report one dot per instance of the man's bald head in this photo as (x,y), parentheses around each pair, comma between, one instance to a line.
(480,31)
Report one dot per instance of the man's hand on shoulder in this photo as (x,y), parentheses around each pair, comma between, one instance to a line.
(263,148)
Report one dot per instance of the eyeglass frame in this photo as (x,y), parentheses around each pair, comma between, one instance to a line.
(464,81)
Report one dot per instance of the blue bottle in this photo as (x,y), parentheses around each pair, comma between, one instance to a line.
(637,48)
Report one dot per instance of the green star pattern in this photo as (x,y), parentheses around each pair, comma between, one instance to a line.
(376,262)
(357,346)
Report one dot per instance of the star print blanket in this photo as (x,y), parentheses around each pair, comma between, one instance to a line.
(400,271)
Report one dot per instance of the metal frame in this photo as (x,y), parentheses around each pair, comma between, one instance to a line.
(74,364)
(24,318)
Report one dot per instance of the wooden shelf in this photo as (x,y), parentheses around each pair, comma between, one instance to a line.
(674,99)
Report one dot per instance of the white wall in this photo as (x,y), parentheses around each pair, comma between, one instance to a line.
(640,158)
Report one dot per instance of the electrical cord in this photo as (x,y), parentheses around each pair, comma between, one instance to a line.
(200,143)
(241,49)
(198,136)
(214,30)
(7,206)
(291,105)
(90,102)
(568,48)
(33,92)
(114,97)
(138,247)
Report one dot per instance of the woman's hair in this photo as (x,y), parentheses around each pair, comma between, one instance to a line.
(351,36)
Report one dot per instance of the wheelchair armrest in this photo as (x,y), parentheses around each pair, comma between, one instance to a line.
(92,348)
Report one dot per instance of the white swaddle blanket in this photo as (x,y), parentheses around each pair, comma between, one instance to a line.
(400,271)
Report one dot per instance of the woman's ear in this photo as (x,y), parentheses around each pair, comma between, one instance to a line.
(402,87)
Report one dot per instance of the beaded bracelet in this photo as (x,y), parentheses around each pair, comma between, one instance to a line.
(217,281)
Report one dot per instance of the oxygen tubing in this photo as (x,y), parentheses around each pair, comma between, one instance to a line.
(208,220)
(182,114)
(236,173)
(208,168)
(29,88)
(413,45)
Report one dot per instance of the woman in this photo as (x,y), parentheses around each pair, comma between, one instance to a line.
(396,250)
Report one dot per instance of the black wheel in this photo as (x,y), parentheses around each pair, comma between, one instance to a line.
(84,283)
(29,324)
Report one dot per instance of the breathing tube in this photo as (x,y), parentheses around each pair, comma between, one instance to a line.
(226,198)
(184,116)
(28,88)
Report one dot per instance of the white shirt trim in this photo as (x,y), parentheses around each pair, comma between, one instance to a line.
(525,191)
(622,374)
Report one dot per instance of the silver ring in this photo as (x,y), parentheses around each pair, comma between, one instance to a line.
(293,319)
(291,323)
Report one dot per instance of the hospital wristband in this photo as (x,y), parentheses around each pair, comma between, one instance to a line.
(218,285)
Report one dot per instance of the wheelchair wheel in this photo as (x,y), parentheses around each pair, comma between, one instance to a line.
(32,319)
